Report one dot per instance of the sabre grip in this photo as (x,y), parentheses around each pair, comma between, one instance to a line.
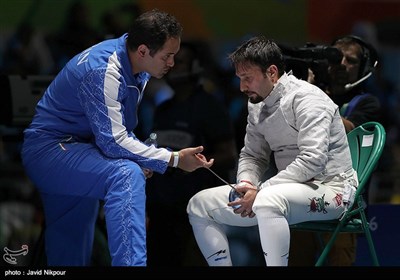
(234,195)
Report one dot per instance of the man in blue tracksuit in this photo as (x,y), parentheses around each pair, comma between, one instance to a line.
(80,146)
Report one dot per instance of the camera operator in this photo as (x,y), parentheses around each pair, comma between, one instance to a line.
(346,84)
(346,87)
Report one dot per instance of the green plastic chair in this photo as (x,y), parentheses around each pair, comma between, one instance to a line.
(366,146)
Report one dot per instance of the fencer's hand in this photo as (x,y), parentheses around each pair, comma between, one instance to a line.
(249,193)
(148,173)
(191,159)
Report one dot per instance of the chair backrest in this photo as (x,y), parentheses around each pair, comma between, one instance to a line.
(366,144)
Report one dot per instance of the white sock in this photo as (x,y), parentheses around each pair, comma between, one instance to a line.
(212,241)
(274,236)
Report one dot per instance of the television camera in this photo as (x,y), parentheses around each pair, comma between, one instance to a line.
(317,58)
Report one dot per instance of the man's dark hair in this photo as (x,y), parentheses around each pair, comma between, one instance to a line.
(153,29)
(261,52)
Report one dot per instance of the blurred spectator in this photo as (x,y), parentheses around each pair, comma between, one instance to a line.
(113,23)
(76,35)
(27,52)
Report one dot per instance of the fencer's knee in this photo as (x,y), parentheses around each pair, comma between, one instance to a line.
(195,220)
(194,200)
(197,202)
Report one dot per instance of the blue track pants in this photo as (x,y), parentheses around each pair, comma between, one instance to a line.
(72,177)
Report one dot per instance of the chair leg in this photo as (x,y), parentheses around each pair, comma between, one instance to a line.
(369,240)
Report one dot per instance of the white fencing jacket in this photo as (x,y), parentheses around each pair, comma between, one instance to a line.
(303,127)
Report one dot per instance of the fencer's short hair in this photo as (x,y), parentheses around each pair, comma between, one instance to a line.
(259,51)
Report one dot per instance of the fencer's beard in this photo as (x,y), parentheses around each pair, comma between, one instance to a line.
(254,98)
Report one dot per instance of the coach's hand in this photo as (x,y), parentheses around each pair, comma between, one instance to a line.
(189,159)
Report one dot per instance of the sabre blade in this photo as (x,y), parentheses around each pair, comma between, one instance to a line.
(219,177)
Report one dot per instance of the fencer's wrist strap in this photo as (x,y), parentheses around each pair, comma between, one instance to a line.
(176,159)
